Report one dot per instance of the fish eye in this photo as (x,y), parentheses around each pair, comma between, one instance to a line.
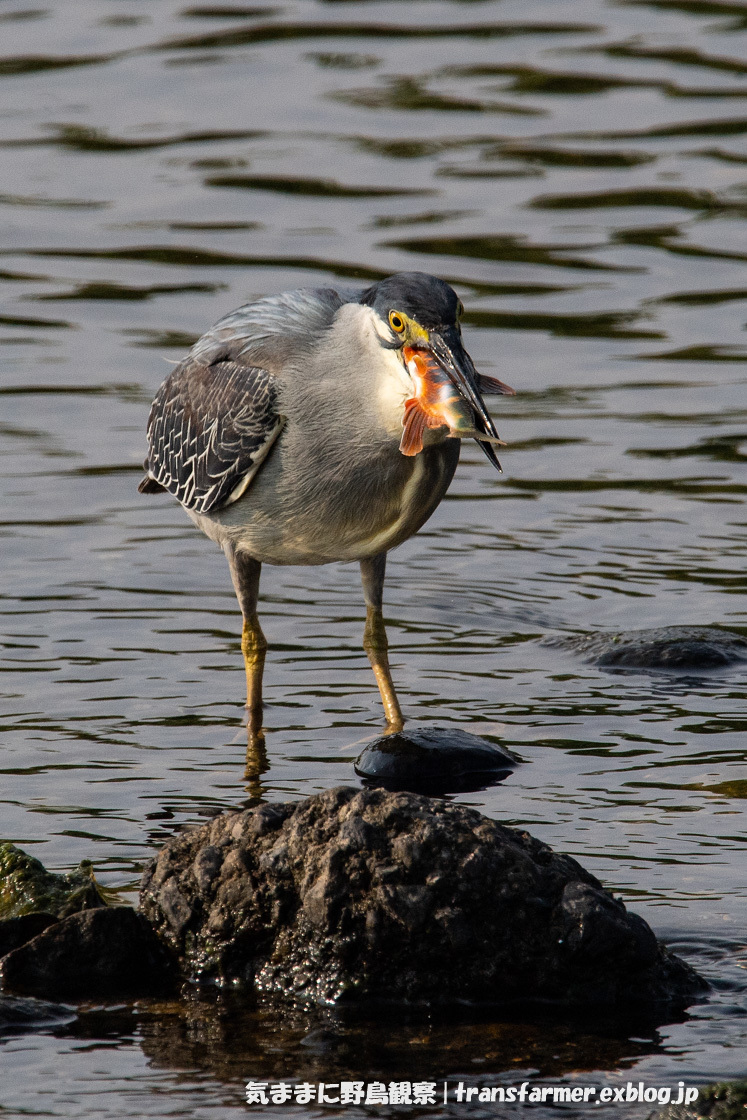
(396,322)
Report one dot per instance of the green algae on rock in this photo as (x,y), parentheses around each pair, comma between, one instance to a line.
(26,887)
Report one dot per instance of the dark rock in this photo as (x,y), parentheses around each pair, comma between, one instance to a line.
(108,951)
(726,1100)
(681,649)
(17,931)
(19,1014)
(27,887)
(433,760)
(360,895)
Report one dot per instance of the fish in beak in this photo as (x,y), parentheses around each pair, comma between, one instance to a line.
(448,393)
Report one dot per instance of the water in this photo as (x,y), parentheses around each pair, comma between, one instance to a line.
(577,170)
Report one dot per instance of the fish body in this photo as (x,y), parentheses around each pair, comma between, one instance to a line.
(437,403)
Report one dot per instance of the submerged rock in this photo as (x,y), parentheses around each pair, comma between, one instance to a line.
(107,951)
(359,895)
(19,1014)
(433,760)
(27,887)
(672,648)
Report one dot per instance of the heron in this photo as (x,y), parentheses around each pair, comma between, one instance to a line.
(320,425)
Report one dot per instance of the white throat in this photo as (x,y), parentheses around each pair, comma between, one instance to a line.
(391,382)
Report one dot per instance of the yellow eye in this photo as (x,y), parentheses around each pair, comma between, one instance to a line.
(396,322)
(460,309)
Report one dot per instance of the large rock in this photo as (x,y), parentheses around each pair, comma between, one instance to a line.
(375,895)
(107,951)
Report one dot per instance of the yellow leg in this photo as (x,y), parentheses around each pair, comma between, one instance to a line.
(376,646)
(245,573)
(254,648)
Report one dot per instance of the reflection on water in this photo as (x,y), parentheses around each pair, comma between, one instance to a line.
(576,170)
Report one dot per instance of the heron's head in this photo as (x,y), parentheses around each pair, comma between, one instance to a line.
(419,316)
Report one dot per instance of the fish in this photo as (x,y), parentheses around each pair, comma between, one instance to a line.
(437,404)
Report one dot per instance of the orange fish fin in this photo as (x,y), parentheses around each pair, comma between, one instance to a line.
(414,425)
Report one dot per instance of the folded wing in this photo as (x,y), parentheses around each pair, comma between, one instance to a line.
(210,428)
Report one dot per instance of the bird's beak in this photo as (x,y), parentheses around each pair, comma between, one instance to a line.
(446,347)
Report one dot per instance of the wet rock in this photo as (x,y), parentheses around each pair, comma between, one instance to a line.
(19,1014)
(726,1100)
(27,887)
(107,951)
(433,760)
(681,649)
(58,936)
(357,895)
(15,932)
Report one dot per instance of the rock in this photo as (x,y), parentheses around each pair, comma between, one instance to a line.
(58,936)
(682,649)
(27,887)
(19,1014)
(433,760)
(107,951)
(17,931)
(726,1100)
(356,895)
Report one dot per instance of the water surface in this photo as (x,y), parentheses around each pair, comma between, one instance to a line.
(577,171)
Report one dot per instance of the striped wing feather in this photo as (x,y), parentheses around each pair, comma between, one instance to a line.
(210,428)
